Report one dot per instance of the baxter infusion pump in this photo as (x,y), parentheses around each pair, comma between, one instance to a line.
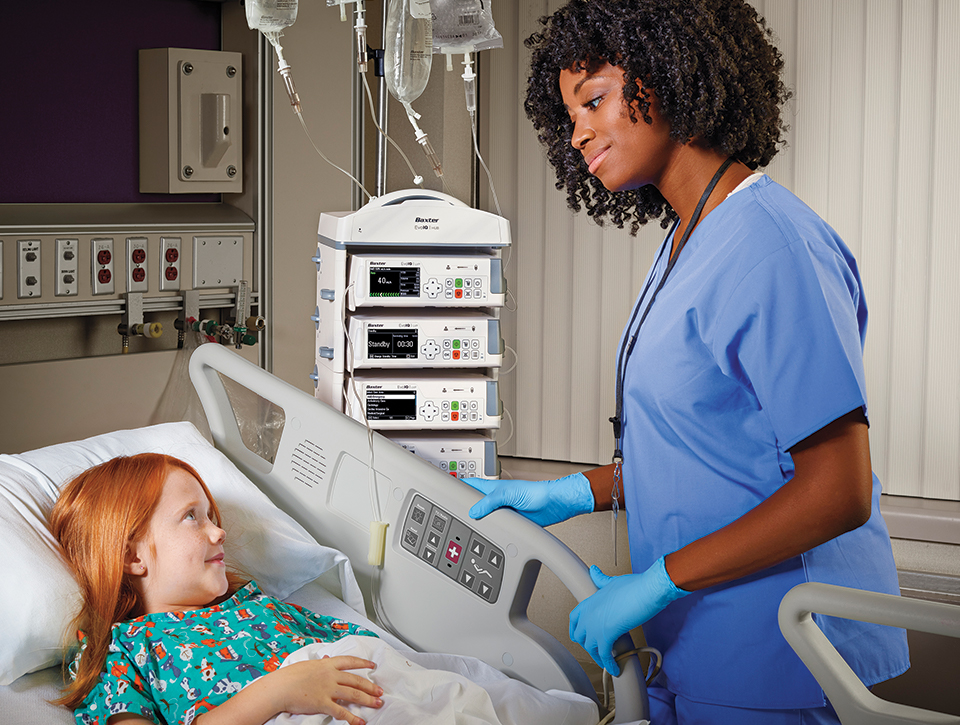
(465,456)
(407,325)
(429,338)
(399,280)
(400,400)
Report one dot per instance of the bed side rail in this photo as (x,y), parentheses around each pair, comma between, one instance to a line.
(854,703)
(320,476)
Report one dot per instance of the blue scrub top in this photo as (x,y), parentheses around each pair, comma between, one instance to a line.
(754,343)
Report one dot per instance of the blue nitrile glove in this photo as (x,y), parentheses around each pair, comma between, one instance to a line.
(622,603)
(543,502)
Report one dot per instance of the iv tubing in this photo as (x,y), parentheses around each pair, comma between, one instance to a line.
(417,179)
(470,92)
(286,74)
(377,525)
(343,171)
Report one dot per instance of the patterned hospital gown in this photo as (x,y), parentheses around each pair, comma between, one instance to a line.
(174,666)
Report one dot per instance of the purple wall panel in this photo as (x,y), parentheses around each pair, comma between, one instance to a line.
(68,94)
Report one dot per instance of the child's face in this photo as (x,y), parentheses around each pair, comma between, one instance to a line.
(179,564)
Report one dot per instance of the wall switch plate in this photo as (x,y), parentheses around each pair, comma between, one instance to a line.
(101,263)
(136,264)
(67,259)
(28,268)
(169,263)
(217,262)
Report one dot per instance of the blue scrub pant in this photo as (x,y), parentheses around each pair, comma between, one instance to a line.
(669,709)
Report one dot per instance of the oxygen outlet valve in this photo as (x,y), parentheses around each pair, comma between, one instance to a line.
(132,324)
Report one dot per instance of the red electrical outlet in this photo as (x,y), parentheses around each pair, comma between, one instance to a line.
(101,257)
(137,264)
(170,263)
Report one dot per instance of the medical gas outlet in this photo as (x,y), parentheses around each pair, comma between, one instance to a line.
(428,339)
(395,400)
(387,280)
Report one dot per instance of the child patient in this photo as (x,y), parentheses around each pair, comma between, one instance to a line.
(168,634)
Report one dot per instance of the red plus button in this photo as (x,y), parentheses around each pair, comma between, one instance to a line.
(453,552)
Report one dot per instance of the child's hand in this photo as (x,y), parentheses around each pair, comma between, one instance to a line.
(320,686)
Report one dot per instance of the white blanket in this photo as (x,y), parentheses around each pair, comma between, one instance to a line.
(433,689)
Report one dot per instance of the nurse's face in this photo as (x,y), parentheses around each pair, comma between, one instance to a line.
(622,153)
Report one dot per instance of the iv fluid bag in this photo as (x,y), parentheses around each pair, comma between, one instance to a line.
(408,48)
(463,26)
(270,16)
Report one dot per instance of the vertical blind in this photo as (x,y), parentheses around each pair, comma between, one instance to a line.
(872,147)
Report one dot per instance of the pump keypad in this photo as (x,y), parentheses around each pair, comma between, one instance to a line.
(445,543)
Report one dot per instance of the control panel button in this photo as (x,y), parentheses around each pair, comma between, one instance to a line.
(443,542)
(453,552)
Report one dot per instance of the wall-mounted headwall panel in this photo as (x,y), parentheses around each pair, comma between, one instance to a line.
(872,148)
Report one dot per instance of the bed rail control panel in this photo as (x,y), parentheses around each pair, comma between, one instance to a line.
(443,542)
(438,564)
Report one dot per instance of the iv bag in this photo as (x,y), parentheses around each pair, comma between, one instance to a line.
(463,26)
(408,49)
(270,16)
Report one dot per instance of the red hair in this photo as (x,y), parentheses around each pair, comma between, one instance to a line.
(98,514)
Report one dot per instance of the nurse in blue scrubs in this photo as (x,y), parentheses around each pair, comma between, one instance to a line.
(741,450)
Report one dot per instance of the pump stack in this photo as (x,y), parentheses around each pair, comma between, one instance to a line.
(409,290)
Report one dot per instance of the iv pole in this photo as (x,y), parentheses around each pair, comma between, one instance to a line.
(382,116)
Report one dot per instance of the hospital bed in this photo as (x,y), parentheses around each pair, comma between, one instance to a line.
(318,473)
(447,583)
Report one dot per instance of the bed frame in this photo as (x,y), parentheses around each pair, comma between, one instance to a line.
(854,703)
(320,475)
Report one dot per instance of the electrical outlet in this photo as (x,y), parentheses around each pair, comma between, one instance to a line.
(68,253)
(169,263)
(101,262)
(137,264)
(28,268)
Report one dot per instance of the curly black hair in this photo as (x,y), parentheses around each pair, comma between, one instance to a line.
(710,63)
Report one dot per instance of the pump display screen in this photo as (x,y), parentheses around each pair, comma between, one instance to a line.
(392,405)
(395,282)
(392,344)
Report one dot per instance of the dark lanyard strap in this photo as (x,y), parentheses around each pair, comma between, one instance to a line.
(627,347)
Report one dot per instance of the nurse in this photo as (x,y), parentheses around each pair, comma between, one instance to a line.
(741,437)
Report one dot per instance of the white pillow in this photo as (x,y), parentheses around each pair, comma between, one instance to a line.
(38,596)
